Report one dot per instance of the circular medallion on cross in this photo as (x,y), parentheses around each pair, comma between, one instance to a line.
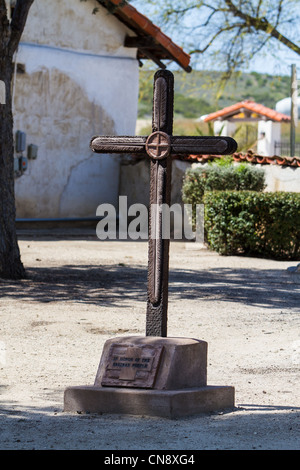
(158,145)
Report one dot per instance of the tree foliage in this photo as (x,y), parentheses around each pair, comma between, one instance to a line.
(233,31)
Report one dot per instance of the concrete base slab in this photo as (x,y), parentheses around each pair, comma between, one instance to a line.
(162,403)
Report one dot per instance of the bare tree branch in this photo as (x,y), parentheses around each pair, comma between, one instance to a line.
(262,24)
(181,11)
(258,7)
(215,36)
(279,11)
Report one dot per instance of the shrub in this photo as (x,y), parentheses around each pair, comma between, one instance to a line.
(220,176)
(253,223)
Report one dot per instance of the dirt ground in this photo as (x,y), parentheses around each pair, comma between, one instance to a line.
(80,291)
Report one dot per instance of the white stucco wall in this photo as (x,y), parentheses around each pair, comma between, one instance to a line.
(224,127)
(269,132)
(277,177)
(79,81)
(280,178)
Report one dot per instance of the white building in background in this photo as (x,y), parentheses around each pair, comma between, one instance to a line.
(284,106)
(269,123)
(268,134)
(76,76)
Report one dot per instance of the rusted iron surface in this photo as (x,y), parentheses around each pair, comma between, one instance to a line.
(160,146)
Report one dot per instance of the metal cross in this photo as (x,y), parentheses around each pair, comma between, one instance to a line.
(160,145)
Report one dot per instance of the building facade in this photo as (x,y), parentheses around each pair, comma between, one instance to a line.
(73,79)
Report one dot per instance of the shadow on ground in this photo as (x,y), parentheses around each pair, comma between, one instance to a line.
(46,428)
(110,284)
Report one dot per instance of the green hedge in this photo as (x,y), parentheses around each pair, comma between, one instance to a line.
(253,223)
(220,177)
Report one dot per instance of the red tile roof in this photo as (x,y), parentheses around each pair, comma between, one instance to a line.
(273,160)
(250,106)
(250,156)
(154,44)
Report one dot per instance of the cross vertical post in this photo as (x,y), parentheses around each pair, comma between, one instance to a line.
(159,146)
(160,193)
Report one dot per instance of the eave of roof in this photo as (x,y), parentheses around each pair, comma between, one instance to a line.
(150,41)
(250,106)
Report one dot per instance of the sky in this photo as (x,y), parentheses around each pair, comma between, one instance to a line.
(277,64)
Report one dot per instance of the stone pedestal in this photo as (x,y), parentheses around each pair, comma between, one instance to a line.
(151,376)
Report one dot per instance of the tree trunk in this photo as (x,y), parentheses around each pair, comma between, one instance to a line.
(11,266)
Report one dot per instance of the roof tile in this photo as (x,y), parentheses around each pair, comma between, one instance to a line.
(249,105)
(144,26)
(250,156)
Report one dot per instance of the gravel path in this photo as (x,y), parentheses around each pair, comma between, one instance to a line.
(80,292)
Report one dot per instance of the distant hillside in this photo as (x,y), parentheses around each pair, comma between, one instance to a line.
(200,93)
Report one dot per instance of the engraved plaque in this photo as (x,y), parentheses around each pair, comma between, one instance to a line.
(132,366)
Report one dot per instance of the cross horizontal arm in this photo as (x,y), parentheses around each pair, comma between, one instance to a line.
(178,145)
(118,144)
(203,145)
